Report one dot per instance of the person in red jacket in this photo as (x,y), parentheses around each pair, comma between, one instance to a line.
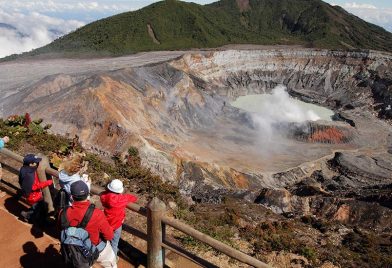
(31,189)
(98,227)
(114,202)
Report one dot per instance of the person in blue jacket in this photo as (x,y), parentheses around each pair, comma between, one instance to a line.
(3,141)
(71,173)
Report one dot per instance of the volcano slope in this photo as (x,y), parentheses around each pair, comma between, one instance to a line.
(178,114)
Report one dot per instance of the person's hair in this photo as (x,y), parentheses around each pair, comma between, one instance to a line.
(6,139)
(73,165)
(80,198)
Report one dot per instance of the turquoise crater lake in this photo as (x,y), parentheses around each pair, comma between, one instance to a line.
(280,107)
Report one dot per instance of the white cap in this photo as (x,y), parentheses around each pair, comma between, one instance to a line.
(116,186)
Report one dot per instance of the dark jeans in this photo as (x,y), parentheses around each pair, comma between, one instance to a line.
(37,213)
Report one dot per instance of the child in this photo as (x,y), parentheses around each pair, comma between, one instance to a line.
(31,188)
(114,203)
(68,175)
(3,141)
(71,171)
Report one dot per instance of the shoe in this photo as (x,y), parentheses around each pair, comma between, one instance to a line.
(2,194)
(49,222)
(25,216)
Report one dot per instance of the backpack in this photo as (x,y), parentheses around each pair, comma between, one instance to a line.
(76,247)
(61,200)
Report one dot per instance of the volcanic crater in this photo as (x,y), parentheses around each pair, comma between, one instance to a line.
(176,108)
(178,111)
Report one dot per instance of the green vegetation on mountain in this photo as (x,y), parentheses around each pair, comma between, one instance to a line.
(172,25)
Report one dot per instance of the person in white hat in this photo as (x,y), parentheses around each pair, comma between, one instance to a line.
(114,202)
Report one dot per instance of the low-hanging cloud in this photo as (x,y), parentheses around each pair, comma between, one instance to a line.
(28,24)
(23,32)
(100,8)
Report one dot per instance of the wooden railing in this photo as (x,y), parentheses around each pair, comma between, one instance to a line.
(157,220)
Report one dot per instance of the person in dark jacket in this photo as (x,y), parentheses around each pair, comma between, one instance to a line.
(32,189)
(98,227)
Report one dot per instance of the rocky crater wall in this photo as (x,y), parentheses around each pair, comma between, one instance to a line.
(333,78)
(178,113)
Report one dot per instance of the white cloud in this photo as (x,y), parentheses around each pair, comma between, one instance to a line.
(371,13)
(44,6)
(37,23)
(359,6)
(24,32)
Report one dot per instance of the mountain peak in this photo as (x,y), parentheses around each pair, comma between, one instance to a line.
(172,25)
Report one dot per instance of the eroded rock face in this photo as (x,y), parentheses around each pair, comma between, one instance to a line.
(339,79)
(364,170)
(351,211)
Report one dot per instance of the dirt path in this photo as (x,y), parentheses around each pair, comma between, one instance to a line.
(23,245)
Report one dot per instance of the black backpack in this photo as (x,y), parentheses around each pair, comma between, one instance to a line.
(76,247)
(61,200)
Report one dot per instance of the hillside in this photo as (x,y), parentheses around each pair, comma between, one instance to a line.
(171,25)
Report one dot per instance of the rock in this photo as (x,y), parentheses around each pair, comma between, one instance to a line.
(328,265)
(363,170)
(281,201)
(308,187)
(344,183)
(341,117)
(172,205)
(389,143)
(331,185)
(342,214)
(283,259)
(352,212)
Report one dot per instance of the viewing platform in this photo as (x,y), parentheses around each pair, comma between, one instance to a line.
(26,245)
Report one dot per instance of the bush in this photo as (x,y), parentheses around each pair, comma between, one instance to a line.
(308,253)
(133,151)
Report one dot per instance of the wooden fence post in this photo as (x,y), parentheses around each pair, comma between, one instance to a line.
(155,255)
(42,177)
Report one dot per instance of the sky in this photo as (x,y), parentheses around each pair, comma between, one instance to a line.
(28,24)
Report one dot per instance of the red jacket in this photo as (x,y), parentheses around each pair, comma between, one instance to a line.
(114,207)
(98,227)
(36,193)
